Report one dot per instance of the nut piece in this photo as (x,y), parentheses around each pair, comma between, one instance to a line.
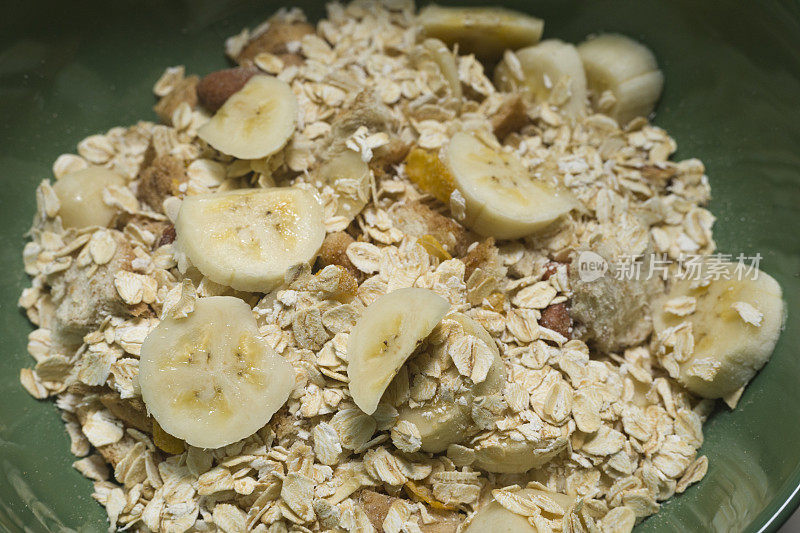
(417,219)
(334,252)
(556,317)
(215,88)
(510,117)
(184,91)
(275,41)
(160,179)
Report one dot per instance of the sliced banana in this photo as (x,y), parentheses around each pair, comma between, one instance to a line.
(507,456)
(502,199)
(497,519)
(388,332)
(80,195)
(209,378)
(447,420)
(247,239)
(625,68)
(348,175)
(483,31)
(551,71)
(255,122)
(735,326)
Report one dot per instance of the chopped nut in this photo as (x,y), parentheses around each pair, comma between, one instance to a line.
(556,317)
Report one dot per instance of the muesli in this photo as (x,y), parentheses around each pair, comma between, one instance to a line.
(376,277)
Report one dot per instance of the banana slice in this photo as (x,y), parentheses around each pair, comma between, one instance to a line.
(502,199)
(387,333)
(483,31)
(551,72)
(80,195)
(348,175)
(627,69)
(496,518)
(255,122)
(247,239)
(506,456)
(447,420)
(735,325)
(209,379)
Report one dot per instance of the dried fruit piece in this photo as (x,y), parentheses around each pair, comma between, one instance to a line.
(426,170)
(434,247)
(165,441)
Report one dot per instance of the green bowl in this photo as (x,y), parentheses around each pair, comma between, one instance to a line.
(732,98)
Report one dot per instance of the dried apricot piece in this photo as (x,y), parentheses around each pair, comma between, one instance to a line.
(165,441)
(434,247)
(426,170)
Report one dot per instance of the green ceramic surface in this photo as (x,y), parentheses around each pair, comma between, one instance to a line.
(732,98)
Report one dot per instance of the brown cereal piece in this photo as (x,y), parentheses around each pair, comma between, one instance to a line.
(162,178)
(184,91)
(215,88)
(417,219)
(131,411)
(484,255)
(375,505)
(334,252)
(387,156)
(275,41)
(82,300)
(556,317)
(510,117)
(167,236)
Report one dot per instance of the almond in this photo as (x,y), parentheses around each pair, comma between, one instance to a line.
(215,88)
(556,317)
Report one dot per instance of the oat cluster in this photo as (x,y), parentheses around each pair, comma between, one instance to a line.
(613,432)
